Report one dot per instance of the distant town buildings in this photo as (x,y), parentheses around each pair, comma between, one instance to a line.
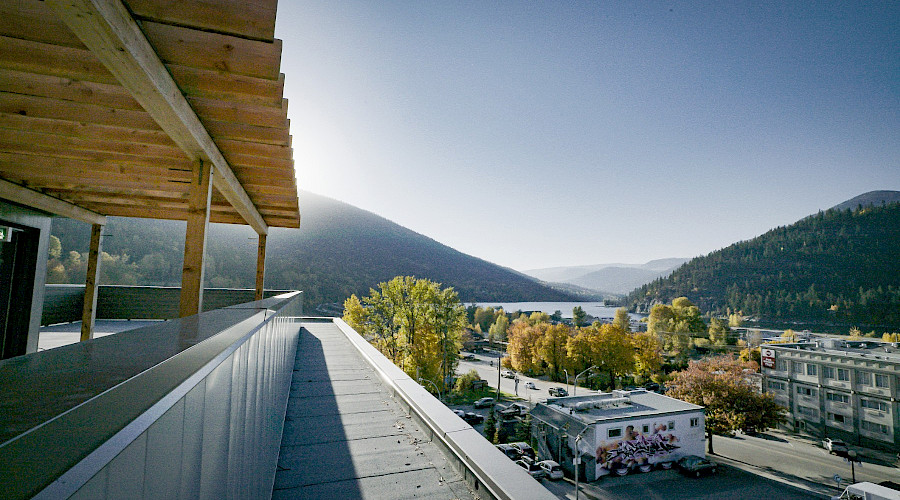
(837,388)
(614,433)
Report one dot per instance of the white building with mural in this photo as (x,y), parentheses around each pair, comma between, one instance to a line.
(618,432)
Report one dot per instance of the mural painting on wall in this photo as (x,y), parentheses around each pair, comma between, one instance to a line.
(636,450)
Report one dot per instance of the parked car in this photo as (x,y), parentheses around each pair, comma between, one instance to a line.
(530,385)
(835,446)
(473,418)
(524,448)
(509,451)
(508,374)
(558,392)
(692,465)
(534,469)
(459,413)
(469,357)
(484,403)
(552,470)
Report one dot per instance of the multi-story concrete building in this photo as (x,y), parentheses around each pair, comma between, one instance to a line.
(838,388)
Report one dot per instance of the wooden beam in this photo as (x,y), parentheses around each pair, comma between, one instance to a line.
(89,312)
(195,242)
(24,196)
(260,266)
(109,31)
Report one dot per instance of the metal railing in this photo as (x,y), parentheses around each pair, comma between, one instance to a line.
(192,407)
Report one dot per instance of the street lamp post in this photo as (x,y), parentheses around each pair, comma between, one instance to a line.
(577,460)
(434,385)
(575,386)
(852,458)
(567,379)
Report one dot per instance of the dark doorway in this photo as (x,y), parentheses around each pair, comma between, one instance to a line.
(18,263)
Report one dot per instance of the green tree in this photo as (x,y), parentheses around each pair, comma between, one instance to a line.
(647,353)
(552,348)
(497,332)
(718,332)
(490,428)
(55,248)
(523,429)
(413,322)
(720,384)
(622,320)
(578,316)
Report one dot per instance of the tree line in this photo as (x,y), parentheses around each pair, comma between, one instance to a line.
(837,266)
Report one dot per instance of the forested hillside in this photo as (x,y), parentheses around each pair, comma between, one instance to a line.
(339,250)
(838,266)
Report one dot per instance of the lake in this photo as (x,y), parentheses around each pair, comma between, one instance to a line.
(595,309)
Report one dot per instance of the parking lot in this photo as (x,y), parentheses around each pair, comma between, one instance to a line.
(727,483)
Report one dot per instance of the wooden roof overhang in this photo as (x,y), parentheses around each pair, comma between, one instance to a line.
(106,106)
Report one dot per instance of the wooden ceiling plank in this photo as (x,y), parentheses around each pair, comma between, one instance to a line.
(143,153)
(148,212)
(28,197)
(213,51)
(44,58)
(55,87)
(81,130)
(33,20)
(197,82)
(256,149)
(255,20)
(246,132)
(236,113)
(44,107)
(106,27)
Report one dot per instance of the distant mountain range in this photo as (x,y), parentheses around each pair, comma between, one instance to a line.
(840,266)
(617,279)
(339,250)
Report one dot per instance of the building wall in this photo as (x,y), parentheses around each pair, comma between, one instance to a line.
(834,394)
(64,302)
(650,440)
(41,221)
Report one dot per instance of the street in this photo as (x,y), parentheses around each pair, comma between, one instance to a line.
(488,372)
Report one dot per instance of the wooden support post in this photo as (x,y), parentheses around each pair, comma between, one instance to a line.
(195,240)
(89,312)
(260,266)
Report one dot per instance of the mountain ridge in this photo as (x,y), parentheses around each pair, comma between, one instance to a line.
(833,267)
(339,250)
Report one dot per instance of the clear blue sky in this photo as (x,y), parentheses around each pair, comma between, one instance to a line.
(568,133)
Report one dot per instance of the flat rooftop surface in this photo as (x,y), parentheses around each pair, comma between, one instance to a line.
(346,437)
(69,333)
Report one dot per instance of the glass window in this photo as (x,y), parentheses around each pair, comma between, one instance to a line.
(882,380)
(873,426)
(840,398)
(843,374)
(828,372)
(836,417)
(807,411)
(796,367)
(671,424)
(645,429)
(781,365)
(873,404)
(863,378)
(806,391)
(614,433)
(811,369)
(695,422)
